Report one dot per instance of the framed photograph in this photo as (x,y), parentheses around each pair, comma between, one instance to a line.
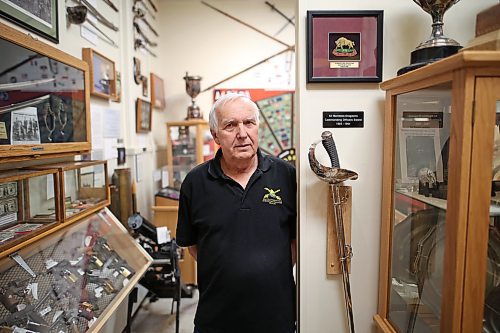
(344,46)
(143,116)
(38,16)
(157,92)
(102,74)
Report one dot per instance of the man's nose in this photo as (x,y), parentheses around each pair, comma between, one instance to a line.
(242,132)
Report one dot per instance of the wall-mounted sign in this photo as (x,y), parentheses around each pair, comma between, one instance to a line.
(343,119)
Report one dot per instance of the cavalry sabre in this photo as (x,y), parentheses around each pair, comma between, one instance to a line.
(334,176)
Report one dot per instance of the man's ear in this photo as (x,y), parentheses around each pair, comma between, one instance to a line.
(214,135)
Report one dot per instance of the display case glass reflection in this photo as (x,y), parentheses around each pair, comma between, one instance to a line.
(183,151)
(73,280)
(43,97)
(27,205)
(423,120)
(492,293)
(84,186)
(189,144)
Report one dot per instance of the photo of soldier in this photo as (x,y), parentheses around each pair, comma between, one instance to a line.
(24,126)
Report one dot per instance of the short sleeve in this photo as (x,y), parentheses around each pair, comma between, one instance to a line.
(186,232)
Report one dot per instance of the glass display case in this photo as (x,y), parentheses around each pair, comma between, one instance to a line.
(44,104)
(28,205)
(72,280)
(189,143)
(440,244)
(84,187)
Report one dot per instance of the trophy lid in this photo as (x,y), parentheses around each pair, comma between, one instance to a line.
(191,77)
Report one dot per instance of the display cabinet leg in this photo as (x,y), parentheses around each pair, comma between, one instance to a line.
(132,298)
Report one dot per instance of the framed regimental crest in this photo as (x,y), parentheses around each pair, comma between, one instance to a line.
(143,116)
(102,74)
(38,16)
(157,92)
(344,46)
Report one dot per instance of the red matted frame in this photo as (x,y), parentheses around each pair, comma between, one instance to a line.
(344,46)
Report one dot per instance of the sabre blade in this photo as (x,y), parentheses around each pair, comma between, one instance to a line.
(331,149)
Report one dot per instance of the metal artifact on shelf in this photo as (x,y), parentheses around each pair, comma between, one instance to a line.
(193,89)
(437,46)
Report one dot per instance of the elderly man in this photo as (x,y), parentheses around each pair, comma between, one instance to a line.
(237,215)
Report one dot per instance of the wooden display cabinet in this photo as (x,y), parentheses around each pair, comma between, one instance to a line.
(84,187)
(440,244)
(44,109)
(189,143)
(165,215)
(72,280)
(28,206)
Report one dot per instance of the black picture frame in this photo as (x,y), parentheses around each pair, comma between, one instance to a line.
(38,16)
(344,46)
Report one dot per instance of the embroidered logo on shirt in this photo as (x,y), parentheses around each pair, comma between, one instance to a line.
(271,197)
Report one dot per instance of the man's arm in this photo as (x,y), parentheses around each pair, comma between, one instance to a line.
(294,251)
(193,250)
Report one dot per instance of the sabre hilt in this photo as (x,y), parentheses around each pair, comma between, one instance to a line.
(331,149)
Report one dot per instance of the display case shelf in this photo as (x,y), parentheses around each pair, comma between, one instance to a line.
(74,279)
(28,205)
(84,187)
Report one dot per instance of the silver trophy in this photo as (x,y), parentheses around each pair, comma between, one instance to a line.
(437,46)
(193,89)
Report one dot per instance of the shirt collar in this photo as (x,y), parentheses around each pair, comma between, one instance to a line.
(215,170)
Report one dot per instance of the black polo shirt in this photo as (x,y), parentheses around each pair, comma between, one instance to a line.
(243,238)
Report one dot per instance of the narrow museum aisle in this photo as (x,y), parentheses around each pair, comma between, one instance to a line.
(156,318)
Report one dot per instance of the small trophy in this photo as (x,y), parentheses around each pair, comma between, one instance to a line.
(193,89)
(437,46)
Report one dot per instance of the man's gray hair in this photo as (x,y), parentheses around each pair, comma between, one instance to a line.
(213,122)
